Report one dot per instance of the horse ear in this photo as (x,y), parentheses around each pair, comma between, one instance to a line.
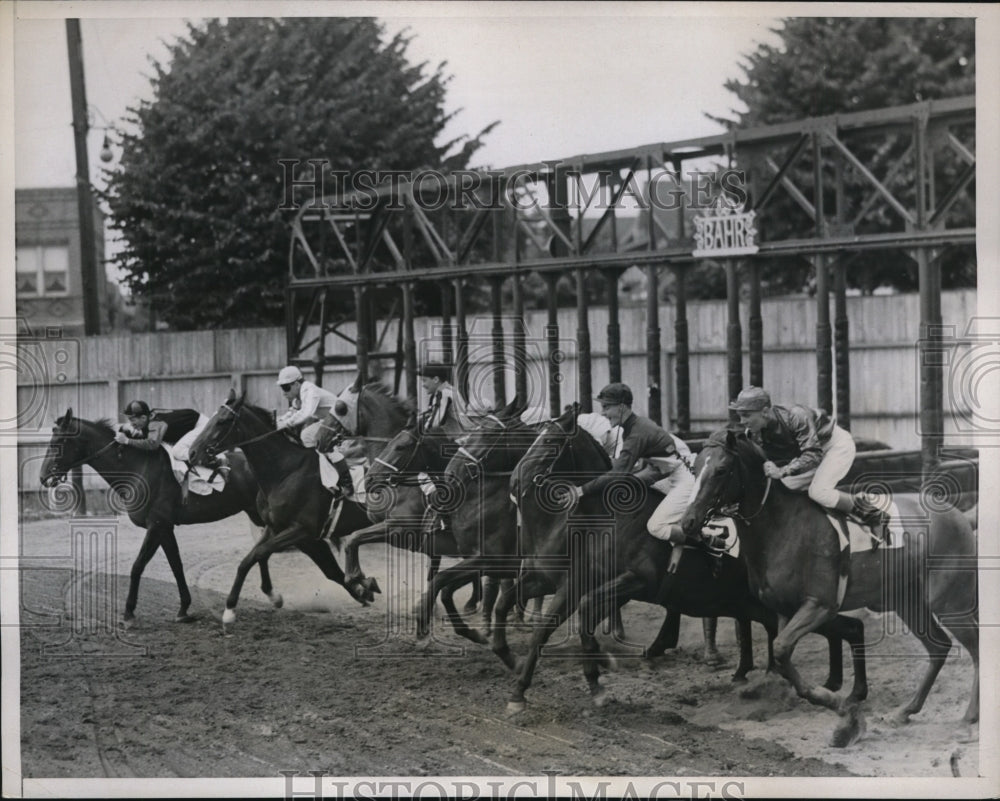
(358,382)
(69,414)
(730,438)
(232,396)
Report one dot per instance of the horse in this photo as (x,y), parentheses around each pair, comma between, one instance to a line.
(293,503)
(394,486)
(797,568)
(148,492)
(372,413)
(628,564)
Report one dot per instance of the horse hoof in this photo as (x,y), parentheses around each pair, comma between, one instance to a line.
(516,707)
(184,617)
(276,600)
(898,718)
(600,698)
(713,658)
(967,733)
(740,678)
(823,697)
(850,729)
(371,585)
(126,623)
(609,662)
(228,617)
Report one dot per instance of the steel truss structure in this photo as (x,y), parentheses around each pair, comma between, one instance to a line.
(388,233)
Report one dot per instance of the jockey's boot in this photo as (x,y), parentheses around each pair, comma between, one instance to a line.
(345,484)
(868,513)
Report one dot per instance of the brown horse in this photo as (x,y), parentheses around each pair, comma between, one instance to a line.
(144,484)
(293,502)
(567,554)
(797,568)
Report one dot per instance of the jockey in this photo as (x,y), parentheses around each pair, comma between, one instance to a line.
(666,459)
(445,404)
(141,431)
(805,449)
(309,404)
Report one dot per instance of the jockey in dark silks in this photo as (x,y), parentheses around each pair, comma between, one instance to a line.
(806,450)
(147,434)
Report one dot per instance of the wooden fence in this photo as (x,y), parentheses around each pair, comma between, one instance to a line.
(96,376)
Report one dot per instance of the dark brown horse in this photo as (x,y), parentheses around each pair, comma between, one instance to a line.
(144,484)
(603,543)
(293,502)
(797,568)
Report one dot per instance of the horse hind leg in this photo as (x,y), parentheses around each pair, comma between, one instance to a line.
(937,643)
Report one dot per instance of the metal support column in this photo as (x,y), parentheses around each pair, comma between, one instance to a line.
(841,345)
(462,345)
(409,342)
(653,350)
(585,384)
(499,361)
(361,315)
(734,334)
(552,337)
(520,360)
(755,323)
(682,365)
(319,359)
(614,329)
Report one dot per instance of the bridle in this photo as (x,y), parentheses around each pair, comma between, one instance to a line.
(543,476)
(398,476)
(475,464)
(234,414)
(733,509)
(63,470)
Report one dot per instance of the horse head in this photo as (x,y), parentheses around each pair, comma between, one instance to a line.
(562,456)
(224,430)
(66,449)
(729,468)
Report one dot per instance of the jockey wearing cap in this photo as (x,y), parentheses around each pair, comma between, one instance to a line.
(445,404)
(141,431)
(666,459)
(805,449)
(308,405)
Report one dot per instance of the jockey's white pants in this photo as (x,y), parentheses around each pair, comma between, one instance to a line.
(838,456)
(678,487)
(310,434)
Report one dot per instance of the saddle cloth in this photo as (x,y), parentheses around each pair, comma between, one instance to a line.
(330,477)
(196,479)
(861,538)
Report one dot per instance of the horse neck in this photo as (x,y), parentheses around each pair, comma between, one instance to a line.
(119,463)
(379,419)
(270,458)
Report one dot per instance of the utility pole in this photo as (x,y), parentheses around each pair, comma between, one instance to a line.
(84,193)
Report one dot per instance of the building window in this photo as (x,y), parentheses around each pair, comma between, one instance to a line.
(42,271)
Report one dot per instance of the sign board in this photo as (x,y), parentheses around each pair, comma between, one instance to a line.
(725,229)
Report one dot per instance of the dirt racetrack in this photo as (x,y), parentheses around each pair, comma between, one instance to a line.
(325,684)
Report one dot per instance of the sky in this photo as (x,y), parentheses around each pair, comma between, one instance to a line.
(567,82)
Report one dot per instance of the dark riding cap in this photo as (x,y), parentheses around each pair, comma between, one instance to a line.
(751,399)
(435,370)
(135,408)
(615,393)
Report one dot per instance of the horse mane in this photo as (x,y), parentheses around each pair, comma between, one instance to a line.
(105,423)
(594,444)
(403,407)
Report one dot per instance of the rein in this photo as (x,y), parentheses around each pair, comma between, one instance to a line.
(63,470)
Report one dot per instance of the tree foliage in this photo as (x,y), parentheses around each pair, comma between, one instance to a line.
(828,66)
(195,195)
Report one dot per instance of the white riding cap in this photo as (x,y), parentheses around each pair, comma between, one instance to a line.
(289,374)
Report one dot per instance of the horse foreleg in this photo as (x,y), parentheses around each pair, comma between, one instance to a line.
(810,616)
(149,545)
(709,629)
(353,541)
(531,584)
(168,541)
(490,594)
(462,573)
(266,586)
(319,551)
(667,636)
(559,609)
(595,607)
(744,638)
